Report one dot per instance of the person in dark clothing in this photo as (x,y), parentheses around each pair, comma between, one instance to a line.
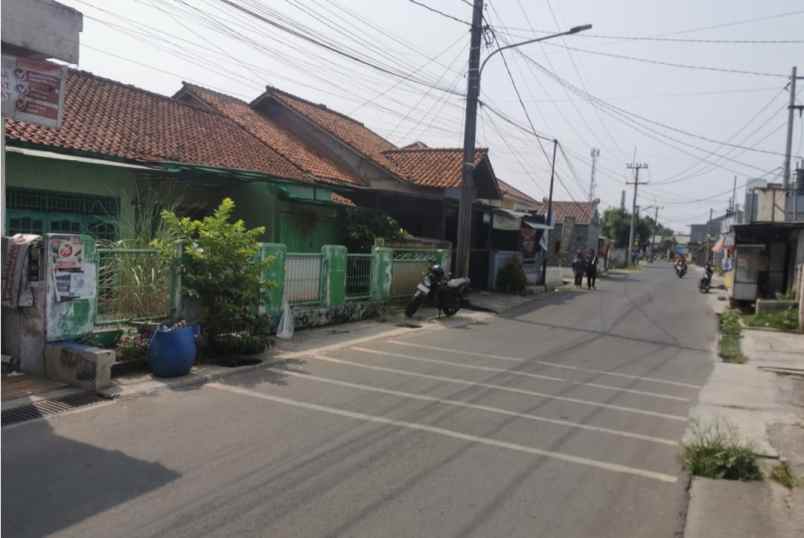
(578,268)
(591,270)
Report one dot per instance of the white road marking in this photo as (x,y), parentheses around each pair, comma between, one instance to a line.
(496,410)
(613,467)
(454,380)
(554,364)
(525,374)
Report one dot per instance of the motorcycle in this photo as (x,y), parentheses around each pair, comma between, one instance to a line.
(681,270)
(445,293)
(705,283)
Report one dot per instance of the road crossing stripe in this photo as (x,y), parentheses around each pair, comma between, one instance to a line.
(489,409)
(546,363)
(526,374)
(624,409)
(613,467)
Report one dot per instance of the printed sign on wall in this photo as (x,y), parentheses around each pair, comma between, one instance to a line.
(33,90)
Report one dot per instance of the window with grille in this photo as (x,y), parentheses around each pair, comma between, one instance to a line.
(40,211)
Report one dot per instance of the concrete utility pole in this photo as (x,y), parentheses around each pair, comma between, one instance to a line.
(464,235)
(622,200)
(789,145)
(655,226)
(595,153)
(464,238)
(708,235)
(636,167)
(549,213)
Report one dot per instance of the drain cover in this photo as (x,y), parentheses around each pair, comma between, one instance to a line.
(43,408)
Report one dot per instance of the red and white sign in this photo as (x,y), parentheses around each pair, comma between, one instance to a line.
(33,91)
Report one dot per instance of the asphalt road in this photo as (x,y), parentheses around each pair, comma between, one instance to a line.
(558,419)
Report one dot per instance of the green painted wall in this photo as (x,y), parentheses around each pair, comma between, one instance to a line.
(65,176)
(308,227)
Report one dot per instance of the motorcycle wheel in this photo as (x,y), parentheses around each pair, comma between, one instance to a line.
(450,304)
(414,304)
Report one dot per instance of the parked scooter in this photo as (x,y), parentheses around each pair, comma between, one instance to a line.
(445,293)
(705,283)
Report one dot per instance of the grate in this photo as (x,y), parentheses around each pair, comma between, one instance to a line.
(48,407)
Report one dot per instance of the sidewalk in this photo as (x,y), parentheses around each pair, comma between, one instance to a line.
(768,410)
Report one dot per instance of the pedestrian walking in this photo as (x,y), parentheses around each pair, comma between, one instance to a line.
(591,270)
(578,268)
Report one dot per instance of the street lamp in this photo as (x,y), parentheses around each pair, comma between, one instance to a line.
(573,30)
(464,235)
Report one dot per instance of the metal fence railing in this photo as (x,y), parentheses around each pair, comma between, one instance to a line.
(408,268)
(358,276)
(133,284)
(303,277)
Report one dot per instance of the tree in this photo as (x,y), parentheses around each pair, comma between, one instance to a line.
(221,269)
(617,226)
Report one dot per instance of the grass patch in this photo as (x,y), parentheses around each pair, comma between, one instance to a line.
(730,334)
(730,349)
(716,451)
(785,320)
(781,473)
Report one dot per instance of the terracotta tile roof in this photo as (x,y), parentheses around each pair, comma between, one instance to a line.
(282,140)
(106,117)
(583,212)
(512,192)
(352,132)
(432,167)
(341,200)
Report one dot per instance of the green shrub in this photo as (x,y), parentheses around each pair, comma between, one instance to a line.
(730,323)
(786,320)
(364,226)
(730,350)
(511,278)
(716,451)
(221,269)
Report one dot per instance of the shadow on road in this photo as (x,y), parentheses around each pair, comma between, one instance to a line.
(51,482)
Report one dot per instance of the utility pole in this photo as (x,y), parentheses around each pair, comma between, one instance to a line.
(622,200)
(708,235)
(595,153)
(789,146)
(655,227)
(636,167)
(464,246)
(733,205)
(549,213)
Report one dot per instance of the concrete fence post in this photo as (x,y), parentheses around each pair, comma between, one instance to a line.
(381,273)
(174,284)
(801,297)
(333,275)
(272,302)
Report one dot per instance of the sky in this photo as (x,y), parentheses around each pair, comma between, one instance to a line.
(696,127)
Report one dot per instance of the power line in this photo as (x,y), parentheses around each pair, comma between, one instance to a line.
(439,12)
(668,64)
(597,100)
(331,48)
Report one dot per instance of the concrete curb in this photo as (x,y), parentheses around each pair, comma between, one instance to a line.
(122,392)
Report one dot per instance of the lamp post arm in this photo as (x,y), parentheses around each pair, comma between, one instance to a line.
(571,31)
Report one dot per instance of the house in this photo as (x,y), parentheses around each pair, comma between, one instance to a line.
(769,247)
(290,165)
(417,185)
(577,227)
(515,199)
(116,143)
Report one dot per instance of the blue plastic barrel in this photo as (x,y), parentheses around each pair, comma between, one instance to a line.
(172,352)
